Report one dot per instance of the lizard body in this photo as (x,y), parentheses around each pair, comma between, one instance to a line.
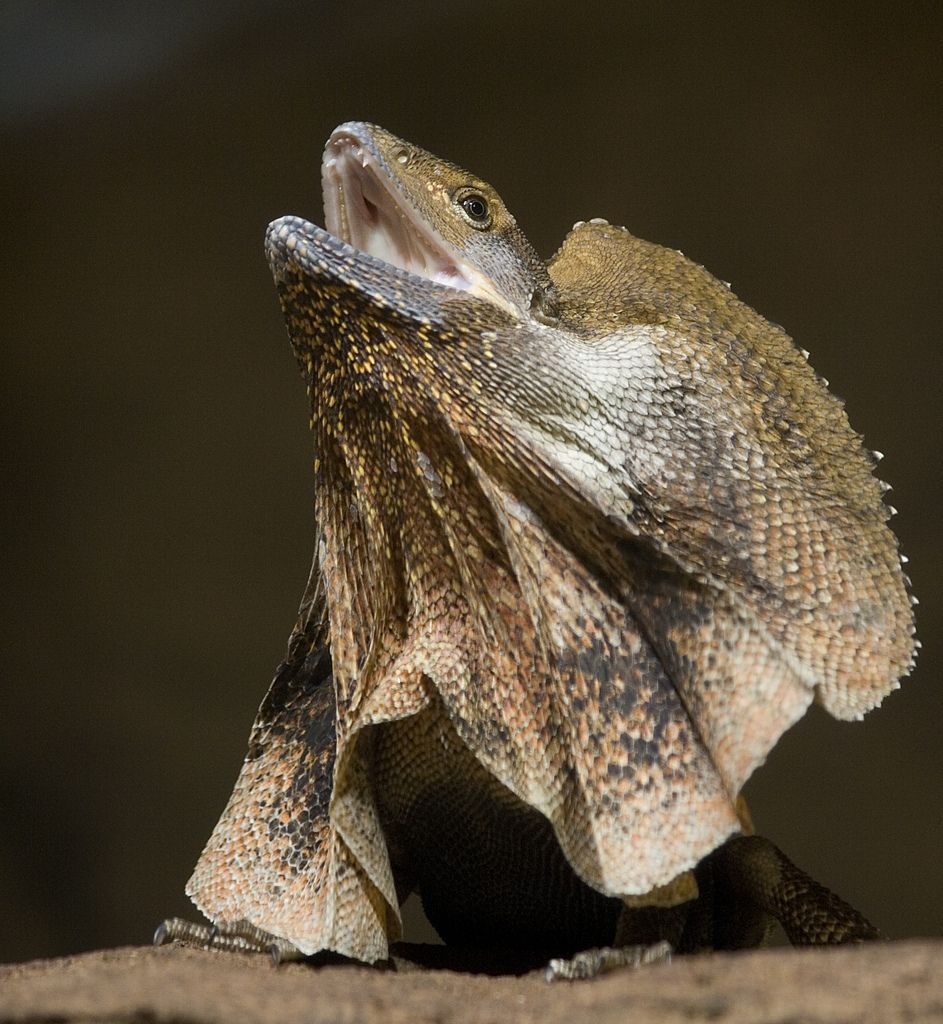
(591,536)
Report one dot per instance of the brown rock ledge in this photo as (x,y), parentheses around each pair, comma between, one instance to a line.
(881,983)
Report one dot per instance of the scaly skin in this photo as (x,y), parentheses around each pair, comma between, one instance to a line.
(591,536)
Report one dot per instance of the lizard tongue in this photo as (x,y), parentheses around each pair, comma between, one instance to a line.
(359,209)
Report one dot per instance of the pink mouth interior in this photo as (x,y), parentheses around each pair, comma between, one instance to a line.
(360,209)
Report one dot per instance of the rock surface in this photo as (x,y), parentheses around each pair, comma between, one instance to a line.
(881,983)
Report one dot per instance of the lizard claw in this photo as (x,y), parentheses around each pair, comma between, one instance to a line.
(239,937)
(592,962)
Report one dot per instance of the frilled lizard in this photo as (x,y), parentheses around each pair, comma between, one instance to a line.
(592,535)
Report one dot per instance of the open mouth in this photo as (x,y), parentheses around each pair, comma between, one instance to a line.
(363,207)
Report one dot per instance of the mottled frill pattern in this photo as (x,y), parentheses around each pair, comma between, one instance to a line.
(621,551)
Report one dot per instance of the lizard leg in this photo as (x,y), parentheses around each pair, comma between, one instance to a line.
(751,870)
(592,962)
(238,937)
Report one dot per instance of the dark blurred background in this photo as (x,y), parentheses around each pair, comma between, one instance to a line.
(156,486)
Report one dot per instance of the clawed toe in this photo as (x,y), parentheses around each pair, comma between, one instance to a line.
(238,937)
(592,962)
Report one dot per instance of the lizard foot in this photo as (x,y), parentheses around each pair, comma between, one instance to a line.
(751,870)
(593,962)
(238,937)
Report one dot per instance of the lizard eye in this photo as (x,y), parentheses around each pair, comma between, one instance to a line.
(476,209)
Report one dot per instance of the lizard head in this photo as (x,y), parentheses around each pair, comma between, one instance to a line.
(428,217)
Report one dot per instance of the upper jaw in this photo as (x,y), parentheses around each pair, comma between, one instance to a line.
(361,208)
